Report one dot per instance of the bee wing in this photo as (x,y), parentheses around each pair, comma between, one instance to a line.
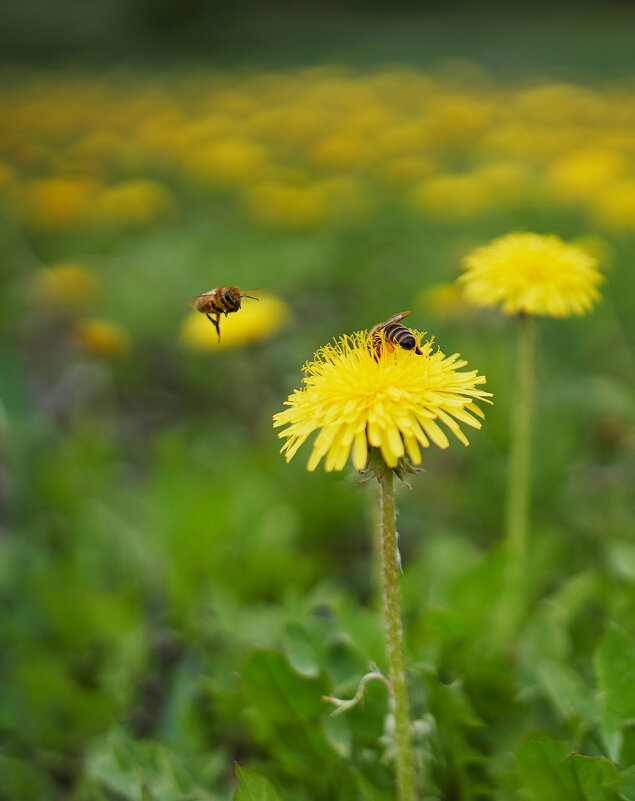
(192,301)
(394,319)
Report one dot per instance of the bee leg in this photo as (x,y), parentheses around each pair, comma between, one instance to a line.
(215,323)
(418,350)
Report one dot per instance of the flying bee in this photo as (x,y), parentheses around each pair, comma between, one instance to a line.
(222,300)
(395,334)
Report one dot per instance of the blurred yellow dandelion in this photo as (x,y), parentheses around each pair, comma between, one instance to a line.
(64,285)
(579,175)
(614,206)
(57,203)
(286,207)
(532,273)
(227,162)
(453,197)
(135,202)
(255,320)
(101,337)
(342,151)
(7,176)
(393,403)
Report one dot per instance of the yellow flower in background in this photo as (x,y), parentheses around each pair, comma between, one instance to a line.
(284,206)
(227,162)
(395,402)
(509,180)
(614,206)
(579,175)
(452,197)
(404,170)
(456,145)
(255,320)
(101,337)
(57,202)
(344,150)
(64,285)
(133,202)
(532,273)
(7,175)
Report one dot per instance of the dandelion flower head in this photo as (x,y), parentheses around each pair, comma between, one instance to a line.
(532,273)
(394,402)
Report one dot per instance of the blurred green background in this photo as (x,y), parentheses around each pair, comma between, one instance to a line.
(174,596)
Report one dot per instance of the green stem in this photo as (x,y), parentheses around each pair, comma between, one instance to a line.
(518,477)
(394,641)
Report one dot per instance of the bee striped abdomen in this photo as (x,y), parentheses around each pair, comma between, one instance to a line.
(216,306)
(400,335)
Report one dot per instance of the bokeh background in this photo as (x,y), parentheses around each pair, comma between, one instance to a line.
(174,596)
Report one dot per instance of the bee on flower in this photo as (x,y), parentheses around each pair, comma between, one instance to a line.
(394,400)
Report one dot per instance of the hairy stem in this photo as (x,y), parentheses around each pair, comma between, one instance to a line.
(518,478)
(394,641)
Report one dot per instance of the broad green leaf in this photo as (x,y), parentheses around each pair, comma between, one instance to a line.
(548,774)
(628,788)
(615,669)
(279,691)
(302,651)
(255,786)
(598,777)
(566,689)
(139,770)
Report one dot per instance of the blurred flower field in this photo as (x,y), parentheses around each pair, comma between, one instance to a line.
(175,597)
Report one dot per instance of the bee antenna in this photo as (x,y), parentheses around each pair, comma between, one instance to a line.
(251,297)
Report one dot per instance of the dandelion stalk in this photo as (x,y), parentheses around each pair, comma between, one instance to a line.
(394,641)
(518,478)
(379,410)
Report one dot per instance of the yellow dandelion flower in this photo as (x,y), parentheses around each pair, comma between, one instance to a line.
(342,151)
(65,285)
(57,203)
(453,197)
(101,337)
(226,163)
(7,176)
(286,207)
(580,174)
(614,206)
(532,273)
(394,403)
(255,320)
(134,202)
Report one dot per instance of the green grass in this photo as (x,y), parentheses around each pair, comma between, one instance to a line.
(175,598)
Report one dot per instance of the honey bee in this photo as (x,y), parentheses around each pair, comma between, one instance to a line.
(222,300)
(394,334)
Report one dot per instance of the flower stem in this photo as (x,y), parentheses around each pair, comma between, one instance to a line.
(518,478)
(394,641)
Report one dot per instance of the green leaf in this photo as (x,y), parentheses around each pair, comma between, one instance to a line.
(566,690)
(279,691)
(615,669)
(548,774)
(597,777)
(628,788)
(301,650)
(255,786)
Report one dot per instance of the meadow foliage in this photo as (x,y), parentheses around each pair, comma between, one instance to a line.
(176,597)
